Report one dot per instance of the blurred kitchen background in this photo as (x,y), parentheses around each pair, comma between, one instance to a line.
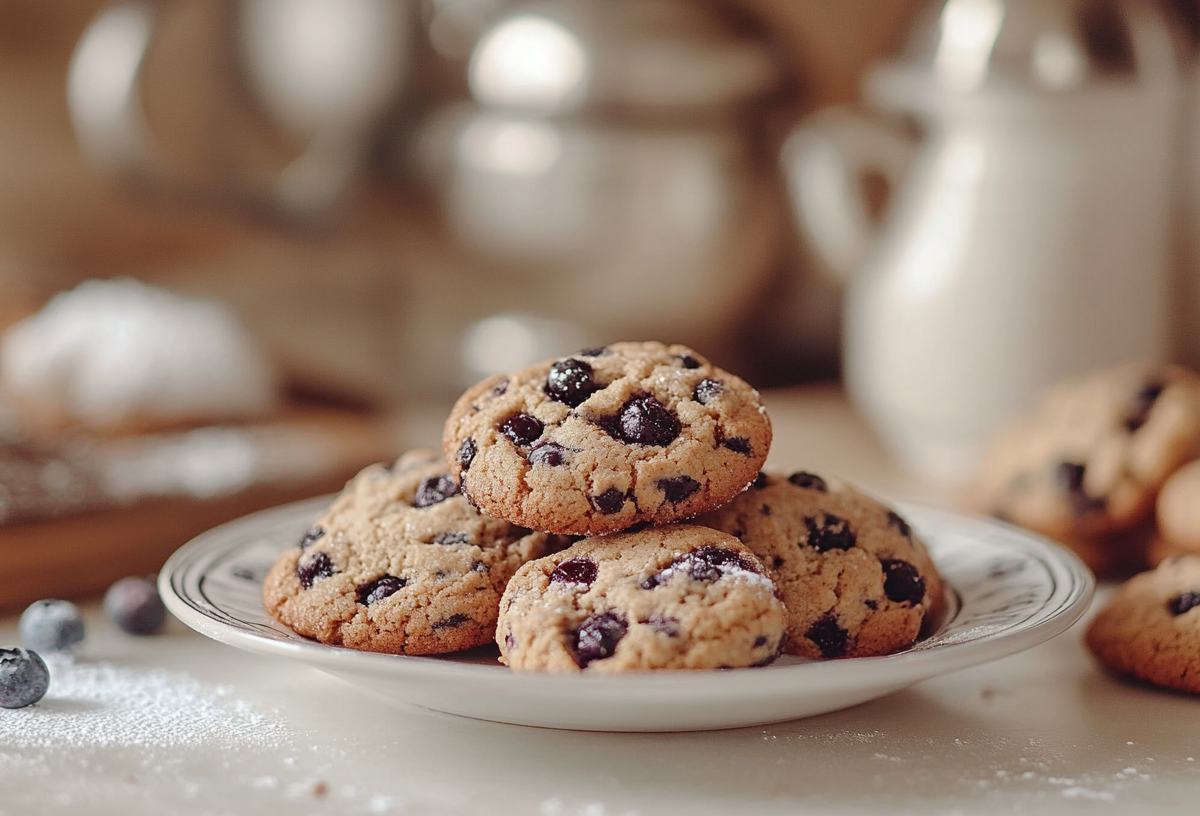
(961,201)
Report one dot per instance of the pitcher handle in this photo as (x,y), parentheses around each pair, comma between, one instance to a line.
(825,160)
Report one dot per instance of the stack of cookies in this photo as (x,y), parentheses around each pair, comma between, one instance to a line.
(607,512)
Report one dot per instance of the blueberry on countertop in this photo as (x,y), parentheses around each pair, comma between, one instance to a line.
(24,678)
(51,626)
(133,605)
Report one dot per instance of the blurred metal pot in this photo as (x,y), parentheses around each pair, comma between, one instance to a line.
(611,156)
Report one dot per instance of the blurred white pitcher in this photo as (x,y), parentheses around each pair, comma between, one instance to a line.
(1026,233)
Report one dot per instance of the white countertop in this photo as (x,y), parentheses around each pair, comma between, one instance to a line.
(176,723)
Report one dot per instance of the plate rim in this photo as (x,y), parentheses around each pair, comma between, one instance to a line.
(1075,595)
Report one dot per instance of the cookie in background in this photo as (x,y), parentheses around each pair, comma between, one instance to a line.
(1086,464)
(1150,628)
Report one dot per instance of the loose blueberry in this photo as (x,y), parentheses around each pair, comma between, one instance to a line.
(571,381)
(379,589)
(311,537)
(24,678)
(646,421)
(452,622)
(522,429)
(898,524)
(1070,478)
(134,606)
(314,568)
(738,444)
(51,626)
(609,502)
(829,637)
(1183,602)
(1143,402)
(451,539)
(706,390)
(809,481)
(677,488)
(548,453)
(829,532)
(598,636)
(466,453)
(902,582)
(435,489)
(582,571)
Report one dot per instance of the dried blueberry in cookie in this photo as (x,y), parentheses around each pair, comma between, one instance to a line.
(854,577)
(571,381)
(403,564)
(670,597)
(606,439)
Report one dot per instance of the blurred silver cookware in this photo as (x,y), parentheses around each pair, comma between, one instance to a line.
(324,73)
(610,153)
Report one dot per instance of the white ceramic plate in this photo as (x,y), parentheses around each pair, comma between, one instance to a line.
(1007,591)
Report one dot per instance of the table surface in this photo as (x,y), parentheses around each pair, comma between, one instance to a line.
(176,723)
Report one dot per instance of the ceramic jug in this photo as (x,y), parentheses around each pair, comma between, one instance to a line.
(1027,147)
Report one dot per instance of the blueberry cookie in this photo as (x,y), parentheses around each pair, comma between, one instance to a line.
(607,438)
(1178,509)
(1150,629)
(670,597)
(400,563)
(854,577)
(1091,457)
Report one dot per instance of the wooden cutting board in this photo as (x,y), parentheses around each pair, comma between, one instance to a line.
(306,453)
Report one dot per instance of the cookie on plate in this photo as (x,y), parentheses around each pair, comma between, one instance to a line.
(854,577)
(607,438)
(1150,629)
(670,597)
(1090,458)
(400,563)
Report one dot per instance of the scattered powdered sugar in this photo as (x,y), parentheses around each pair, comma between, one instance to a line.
(102,705)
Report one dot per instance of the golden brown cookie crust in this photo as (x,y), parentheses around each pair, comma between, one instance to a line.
(1178,509)
(854,577)
(1090,458)
(385,575)
(653,433)
(672,597)
(1150,629)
